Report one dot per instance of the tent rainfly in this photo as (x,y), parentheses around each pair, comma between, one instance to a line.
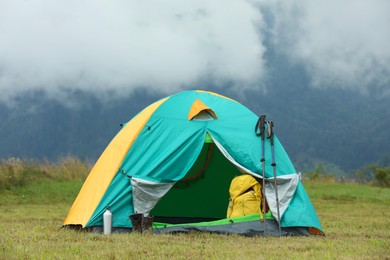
(175,161)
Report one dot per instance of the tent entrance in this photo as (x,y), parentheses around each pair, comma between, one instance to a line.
(203,194)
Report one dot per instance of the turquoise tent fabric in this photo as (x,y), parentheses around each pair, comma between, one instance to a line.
(169,144)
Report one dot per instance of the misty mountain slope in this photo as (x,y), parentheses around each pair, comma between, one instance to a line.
(315,126)
(330,126)
(39,127)
(342,128)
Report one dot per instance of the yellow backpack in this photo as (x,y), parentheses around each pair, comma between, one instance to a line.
(245,196)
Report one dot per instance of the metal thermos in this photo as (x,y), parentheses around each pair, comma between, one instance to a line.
(107,221)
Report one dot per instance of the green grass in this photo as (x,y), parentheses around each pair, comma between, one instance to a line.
(355,218)
(347,192)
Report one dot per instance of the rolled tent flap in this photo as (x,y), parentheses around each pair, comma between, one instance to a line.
(146,194)
(287,185)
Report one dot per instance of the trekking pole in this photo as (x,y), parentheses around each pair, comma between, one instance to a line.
(270,135)
(261,126)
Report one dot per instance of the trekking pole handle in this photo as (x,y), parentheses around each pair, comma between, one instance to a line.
(260,125)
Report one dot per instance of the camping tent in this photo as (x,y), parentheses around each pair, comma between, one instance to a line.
(175,160)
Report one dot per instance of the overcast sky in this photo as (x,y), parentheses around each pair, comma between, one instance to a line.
(117,45)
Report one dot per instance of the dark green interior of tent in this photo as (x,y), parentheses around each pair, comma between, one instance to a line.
(203,194)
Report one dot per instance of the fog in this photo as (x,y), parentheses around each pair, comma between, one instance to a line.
(118,46)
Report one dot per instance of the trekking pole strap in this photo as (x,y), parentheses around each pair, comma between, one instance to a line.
(260,127)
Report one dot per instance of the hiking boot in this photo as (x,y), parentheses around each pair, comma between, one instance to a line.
(147,224)
(136,221)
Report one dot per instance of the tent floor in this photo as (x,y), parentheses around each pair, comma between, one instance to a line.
(248,228)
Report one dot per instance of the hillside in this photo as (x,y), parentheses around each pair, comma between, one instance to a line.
(339,128)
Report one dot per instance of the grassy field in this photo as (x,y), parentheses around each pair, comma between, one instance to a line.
(356,220)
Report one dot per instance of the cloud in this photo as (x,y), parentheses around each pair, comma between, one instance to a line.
(340,43)
(116,46)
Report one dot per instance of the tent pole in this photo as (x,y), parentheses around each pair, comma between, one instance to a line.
(270,135)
